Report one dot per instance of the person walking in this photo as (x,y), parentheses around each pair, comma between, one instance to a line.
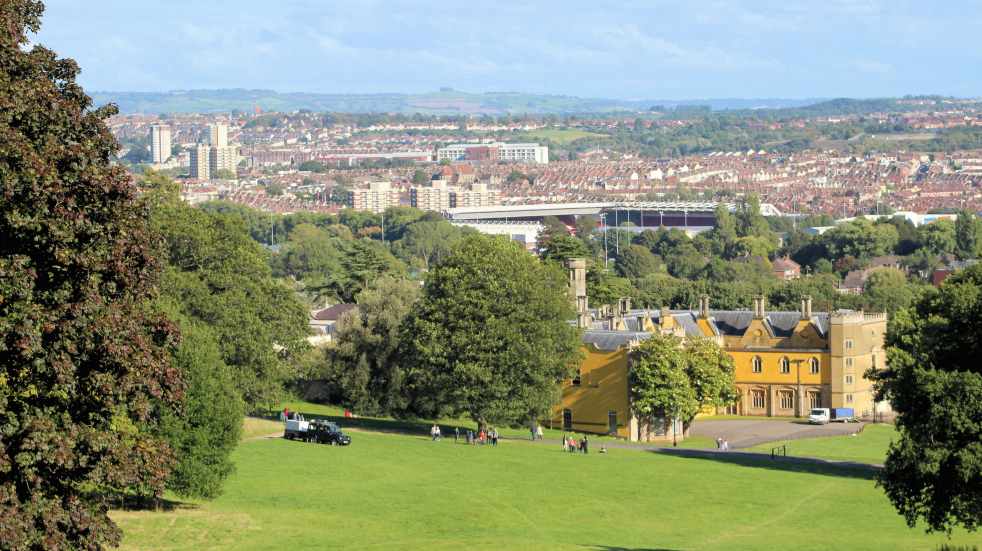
(565,442)
(470,437)
(585,444)
(494,436)
(538,432)
(719,442)
(532,433)
(456,434)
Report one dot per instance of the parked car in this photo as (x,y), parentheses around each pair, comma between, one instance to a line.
(326,432)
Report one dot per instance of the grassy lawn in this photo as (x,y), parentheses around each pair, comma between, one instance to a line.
(560,135)
(395,491)
(869,446)
(254,427)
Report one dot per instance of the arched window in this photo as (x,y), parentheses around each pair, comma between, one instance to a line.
(814,366)
(785,365)
(758,365)
(757,399)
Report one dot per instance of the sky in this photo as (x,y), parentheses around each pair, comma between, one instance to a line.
(611,49)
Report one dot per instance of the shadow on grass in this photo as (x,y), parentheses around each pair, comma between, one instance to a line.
(374,424)
(122,502)
(615,548)
(809,465)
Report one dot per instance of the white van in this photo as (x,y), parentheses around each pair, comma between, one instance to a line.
(819,416)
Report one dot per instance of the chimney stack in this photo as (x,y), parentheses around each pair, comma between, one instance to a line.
(624,304)
(704,307)
(806,308)
(759,307)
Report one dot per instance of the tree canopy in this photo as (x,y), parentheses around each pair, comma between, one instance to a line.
(490,337)
(933,473)
(83,361)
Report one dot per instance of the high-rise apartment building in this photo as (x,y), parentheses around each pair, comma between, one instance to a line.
(218,135)
(376,197)
(479,194)
(200,162)
(222,158)
(517,152)
(160,146)
(435,197)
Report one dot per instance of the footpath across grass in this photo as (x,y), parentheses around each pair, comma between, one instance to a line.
(396,491)
(868,446)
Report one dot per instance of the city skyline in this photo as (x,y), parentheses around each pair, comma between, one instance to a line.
(638,51)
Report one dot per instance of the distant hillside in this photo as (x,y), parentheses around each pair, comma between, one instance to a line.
(444,102)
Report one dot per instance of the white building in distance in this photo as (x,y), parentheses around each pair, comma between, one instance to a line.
(160,146)
(498,151)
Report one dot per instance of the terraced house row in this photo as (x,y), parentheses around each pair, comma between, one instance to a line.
(786,362)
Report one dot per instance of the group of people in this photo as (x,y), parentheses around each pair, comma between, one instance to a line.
(482,436)
(286,414)
(722,444)
(535,432)
(583,446)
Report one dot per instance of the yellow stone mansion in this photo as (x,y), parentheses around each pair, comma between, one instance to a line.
(786,362)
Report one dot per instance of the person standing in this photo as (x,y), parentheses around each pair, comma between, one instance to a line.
(470,436)
(456,434)
(532,433)
(565,442)
(585,444)
(494,437)
(538,432)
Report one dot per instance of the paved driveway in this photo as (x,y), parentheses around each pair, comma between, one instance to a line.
(746,433)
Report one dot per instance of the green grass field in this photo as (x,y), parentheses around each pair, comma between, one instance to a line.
(561,136)
(398,491)
(869,446)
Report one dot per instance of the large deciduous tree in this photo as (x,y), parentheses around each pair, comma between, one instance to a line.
(219,276)
(660,386)
(933,472)
(491,336)
(363,365)
(711,373)
(82,362)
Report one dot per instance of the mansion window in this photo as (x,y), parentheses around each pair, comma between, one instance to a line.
(758,365)
(567,419)
(848,379)
(577,380)
(787,399)
(848,362)
(785,365)
(814,366)
(848,344)
(848,398)
(814,400)
(757,398)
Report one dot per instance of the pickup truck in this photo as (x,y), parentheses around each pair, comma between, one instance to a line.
(822,416)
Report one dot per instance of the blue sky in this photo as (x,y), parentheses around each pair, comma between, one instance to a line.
(623,49)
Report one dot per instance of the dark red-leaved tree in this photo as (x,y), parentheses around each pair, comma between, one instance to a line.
(81,364)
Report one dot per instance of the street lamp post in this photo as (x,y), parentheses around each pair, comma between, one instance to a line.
(797,399)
